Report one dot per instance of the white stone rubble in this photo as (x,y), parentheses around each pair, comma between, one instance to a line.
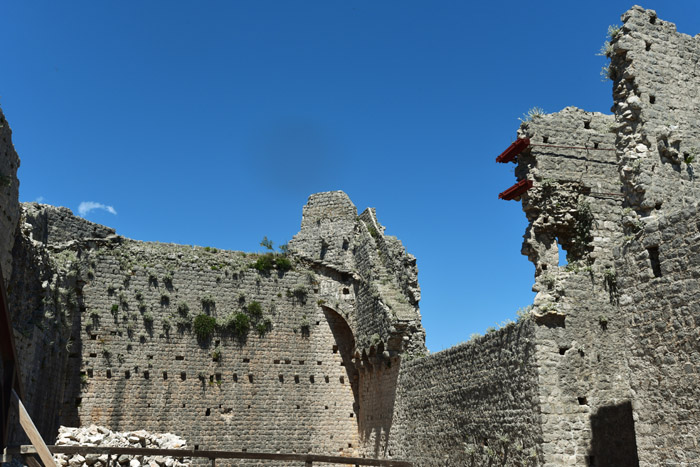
(101,436)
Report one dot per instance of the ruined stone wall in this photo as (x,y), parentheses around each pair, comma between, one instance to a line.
(576,202)
(473,404)
(657,102)
(9,201)
(659,293)
(110,330)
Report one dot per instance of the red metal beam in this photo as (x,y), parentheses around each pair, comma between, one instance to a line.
(518,146)
(516,190)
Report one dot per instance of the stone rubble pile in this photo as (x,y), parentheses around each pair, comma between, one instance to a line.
(101,436)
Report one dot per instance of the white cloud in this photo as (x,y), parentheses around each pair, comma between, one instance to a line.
(87,206)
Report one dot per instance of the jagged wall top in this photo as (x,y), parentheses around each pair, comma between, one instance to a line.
(9,196)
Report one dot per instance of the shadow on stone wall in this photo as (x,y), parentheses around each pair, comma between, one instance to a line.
(613,440)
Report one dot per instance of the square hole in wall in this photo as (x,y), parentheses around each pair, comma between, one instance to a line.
(246,360)
(93,355)
(250,378)
(654,259)
(183,375)
(582,401)
(296,379)
(109,373)
(127,374)
(235,377)
(342,380)
(335,349)
(165,375)
(562,350)
(319,362)
(281,378)
(179,357)
(146,374)
(301,362)
(311,379)
(89,372)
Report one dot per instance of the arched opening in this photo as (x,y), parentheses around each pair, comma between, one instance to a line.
(344,345)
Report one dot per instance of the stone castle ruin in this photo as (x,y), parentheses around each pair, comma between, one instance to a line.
(322,349)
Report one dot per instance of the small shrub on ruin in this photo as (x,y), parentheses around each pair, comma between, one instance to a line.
(264,263)
(204,326)
(283,263)
(238,324)
(255,310)
(263,327)
(532,114)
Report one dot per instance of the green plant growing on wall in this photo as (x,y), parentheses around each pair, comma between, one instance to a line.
(532,114)
(204,326)
(216,355)
(263,327)
(283,263)
(267,243)
(264,263)
(238,324)
(255,310)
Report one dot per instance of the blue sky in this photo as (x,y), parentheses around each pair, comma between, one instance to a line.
(210,123)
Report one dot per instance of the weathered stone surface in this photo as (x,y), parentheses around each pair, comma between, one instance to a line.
(9,195)
(603,370)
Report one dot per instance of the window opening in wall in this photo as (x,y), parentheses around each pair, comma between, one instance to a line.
(146,374)
(595,145)
(165,375)
(93,355)
(208,412)
(298,406)
(276,362)
(648,46)
(218,377)
(654,259)
(296,378)
(311,379)
(318,362)
(179,357)
(281,377)
(346,291)
(652,20)
(335,349)
(326,407)
(109,373)
(250,378)
(246,360)
(587,124)
(183,375)
(93,337)
(89,372)
(328,380)
(127,374)
(301,362)
(562,254)
(652,99)
(352,415)
(235,378)
(582,401)
(342,380)
(545,139)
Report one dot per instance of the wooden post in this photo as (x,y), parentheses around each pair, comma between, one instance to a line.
(33,434)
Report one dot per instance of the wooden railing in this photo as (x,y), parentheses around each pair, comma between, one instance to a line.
(308,459)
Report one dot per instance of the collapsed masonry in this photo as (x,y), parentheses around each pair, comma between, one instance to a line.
(604,372)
